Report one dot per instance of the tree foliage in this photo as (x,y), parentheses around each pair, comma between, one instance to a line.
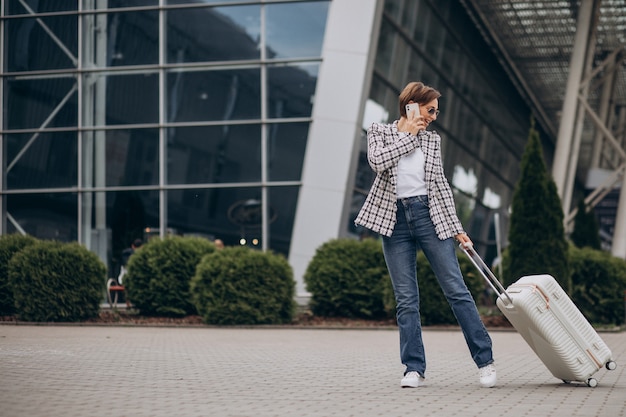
(537,242)
(586,232)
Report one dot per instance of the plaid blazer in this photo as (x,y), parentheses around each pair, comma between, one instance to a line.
(385,147)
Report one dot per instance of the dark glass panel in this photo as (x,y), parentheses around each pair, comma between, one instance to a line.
(214,154)
(200,34)
(29,47)
(128,214)
(286,147)
(118,4)
(131,156)
(295,29)
(45,216)
(30,102)
(178,2)
(49,160)
(14,7)
(282,208)
(214,95)
(291,90)
(130,99)
(229,214)
(132,38)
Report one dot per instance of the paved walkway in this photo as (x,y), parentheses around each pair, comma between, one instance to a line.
(73,371)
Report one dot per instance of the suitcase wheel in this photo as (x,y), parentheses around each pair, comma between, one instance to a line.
(611,365)
(592,382)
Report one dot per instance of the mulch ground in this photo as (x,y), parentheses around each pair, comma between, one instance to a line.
(305,319)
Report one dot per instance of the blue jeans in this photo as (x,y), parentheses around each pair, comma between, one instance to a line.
(414,230)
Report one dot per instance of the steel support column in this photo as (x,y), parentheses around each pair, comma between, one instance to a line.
(619,235)
(570,102)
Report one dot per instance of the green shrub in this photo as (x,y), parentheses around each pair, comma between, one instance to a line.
(9,246)
(598,285)
(157,281)
(347,278)
(239,285)
(54,281)
(537,242)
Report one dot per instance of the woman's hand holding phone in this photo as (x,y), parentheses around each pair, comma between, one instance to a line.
(415,121)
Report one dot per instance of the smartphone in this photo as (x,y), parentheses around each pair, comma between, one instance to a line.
(413,106)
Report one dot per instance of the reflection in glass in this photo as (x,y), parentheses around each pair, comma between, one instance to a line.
(199,34)
(291,90)
(131,156)
(214,95)
(229,214)
(44,215)
(214,154)
(32,102)
(17,7)
(126,99)
(29,47)
(295,30)
(282,207)
(491,199)
(464,180)
(286,146)
(128,214)
(41,160)
(132,38)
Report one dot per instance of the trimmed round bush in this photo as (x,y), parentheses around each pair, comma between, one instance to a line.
(159,272)
(9,246)
(239,285)
(55,281)
(598,284)
(347,278)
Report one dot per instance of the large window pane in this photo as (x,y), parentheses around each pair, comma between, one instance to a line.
(282,209)
(214,95)
(118,4)
(13,7)
(215,154)
(199,34)
(229,214)
(41,160)
(130,157)
(29,46)
(286,146)
(131,38)
(44,216)
(177,2)
(295,29)
(125,98)
(36,103)
(128,215)
(291,90)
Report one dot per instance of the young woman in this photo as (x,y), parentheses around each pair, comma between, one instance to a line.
(412,206)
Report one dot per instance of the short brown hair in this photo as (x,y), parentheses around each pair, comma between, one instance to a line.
(419,93)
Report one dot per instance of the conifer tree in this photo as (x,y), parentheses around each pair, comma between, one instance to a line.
(537,242)
(586,231)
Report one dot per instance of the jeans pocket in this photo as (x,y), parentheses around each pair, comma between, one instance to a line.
(423,199)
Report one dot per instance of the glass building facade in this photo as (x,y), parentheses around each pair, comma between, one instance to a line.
(484,122)
(122,118)
(133,118)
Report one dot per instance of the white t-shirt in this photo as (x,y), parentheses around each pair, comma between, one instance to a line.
(411,175)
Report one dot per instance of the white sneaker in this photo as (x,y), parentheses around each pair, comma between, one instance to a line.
(412,380)
(488,376)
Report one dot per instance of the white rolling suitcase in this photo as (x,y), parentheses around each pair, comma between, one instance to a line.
(551,324)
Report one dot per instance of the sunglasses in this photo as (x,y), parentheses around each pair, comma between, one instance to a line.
(433,111)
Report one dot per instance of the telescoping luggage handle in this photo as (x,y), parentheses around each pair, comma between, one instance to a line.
(485,271)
